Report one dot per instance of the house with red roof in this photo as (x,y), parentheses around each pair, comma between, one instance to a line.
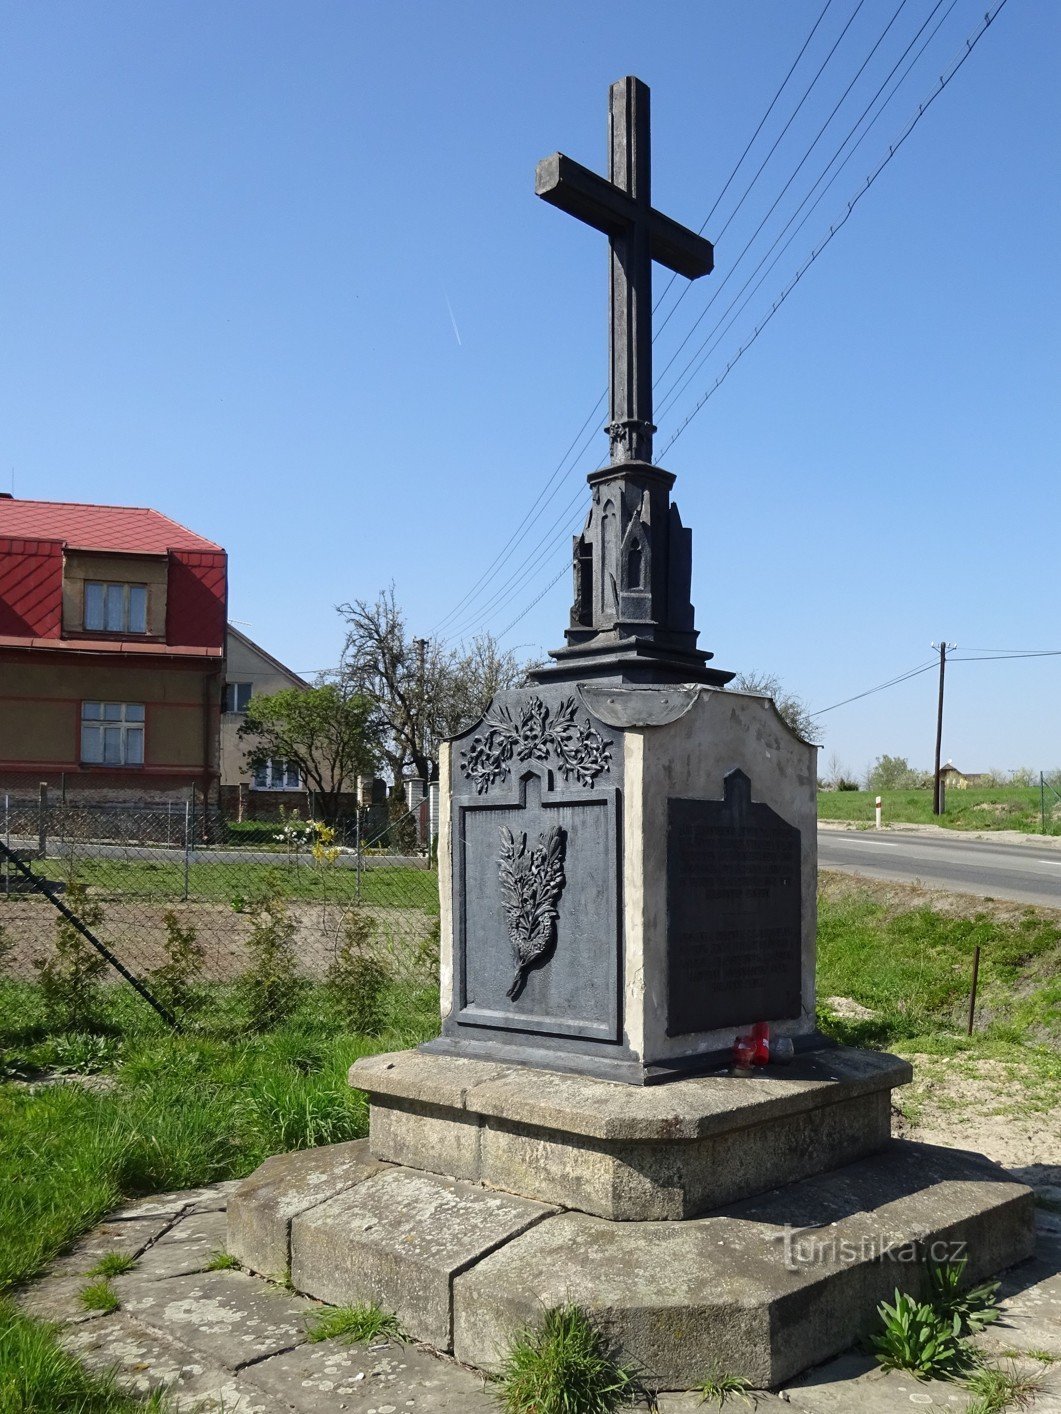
(112,644)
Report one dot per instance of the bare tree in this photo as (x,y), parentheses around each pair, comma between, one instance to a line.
(424,691)
(792,708)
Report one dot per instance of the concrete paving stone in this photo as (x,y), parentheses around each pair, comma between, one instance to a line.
(128,1238)
(56,1299)
(229,1318)
(144,1361)
(855,1382)
(400,1238)
(261,1208)
(1031,1303)
(367,1379)
(188,1246)
(172,1204)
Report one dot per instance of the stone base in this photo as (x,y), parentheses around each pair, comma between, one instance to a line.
(764,1287)
(623,1152)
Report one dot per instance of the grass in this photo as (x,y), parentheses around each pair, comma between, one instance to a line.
(222,1262)
(114,1264)
(351,1324)
(564,1366)
(998,1388)
(208,882)
(888,948)
(978,808)
(99,1296)
(719,1387)
(38,1377)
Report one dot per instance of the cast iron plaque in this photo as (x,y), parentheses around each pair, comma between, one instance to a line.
(733,912)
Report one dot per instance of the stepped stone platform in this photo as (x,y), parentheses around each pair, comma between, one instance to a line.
(752,1221)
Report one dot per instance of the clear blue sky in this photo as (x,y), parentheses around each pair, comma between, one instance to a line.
(279,271)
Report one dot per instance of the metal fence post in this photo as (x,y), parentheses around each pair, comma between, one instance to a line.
(42,822)
(187,844)
(7,841)
(1042,800)
(357,847)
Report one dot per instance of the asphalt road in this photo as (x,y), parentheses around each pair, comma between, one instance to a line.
(1027,873)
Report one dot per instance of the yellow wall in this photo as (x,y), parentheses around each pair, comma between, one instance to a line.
(151,570)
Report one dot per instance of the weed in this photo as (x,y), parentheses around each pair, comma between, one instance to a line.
(99,1296)
(114,1264)
(719,1386)
(972,1309)
(997,1388)
(363,1322)
(917,1338)
(564,1366)
(70,981)
(82,1053)
(357,978)
(222,1262)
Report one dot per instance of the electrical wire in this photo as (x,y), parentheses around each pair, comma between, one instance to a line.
(892,682)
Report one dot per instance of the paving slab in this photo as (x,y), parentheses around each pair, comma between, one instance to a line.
(186,1199)
(128,1239)
(56,1299)
(855,1382)
(400,1238)
(188,1246)
(229,1318)
(145,1361)
(1031,1297)
(371,1379)
(261,1208)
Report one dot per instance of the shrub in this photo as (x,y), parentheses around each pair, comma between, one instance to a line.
(843,783)
(564,1365)
(70,981)
(172,982)
(271,986)
(357,978)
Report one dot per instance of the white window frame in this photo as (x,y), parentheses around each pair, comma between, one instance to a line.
(119,605)
(233,689)
(112,733)
(276,774)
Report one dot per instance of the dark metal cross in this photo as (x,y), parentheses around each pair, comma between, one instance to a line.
(638,235)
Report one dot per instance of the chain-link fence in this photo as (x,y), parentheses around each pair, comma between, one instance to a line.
(215,927)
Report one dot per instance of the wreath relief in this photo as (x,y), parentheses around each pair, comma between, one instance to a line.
(532,881)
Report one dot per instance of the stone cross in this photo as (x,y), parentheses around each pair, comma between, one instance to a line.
(638,234)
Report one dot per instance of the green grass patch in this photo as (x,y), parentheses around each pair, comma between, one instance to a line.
(114,1264)
(720,1387)
(99,1296)
(363,1322)
(222,1262)
(38,1377)
(1003,1387)
(162,880)
(564,1365)
(977,808)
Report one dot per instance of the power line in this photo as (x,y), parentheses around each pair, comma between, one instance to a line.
(700,357)
(892,682)
(945,79)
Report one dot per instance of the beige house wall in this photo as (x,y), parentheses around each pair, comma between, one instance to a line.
(246,662)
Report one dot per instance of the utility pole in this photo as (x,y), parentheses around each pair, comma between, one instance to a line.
(936,792)
(420,644)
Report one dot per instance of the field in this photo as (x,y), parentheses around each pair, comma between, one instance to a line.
(989,808)
(141,1109)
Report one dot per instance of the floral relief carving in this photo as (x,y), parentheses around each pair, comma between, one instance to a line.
(531,884)
(538,733)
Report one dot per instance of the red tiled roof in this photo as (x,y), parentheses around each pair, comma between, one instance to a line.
(129,529)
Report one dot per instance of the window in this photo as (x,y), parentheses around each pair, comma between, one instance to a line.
(112,733)
(237,695)
(277,775)
(115,608)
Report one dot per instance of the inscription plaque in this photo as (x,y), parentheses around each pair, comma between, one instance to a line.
(734,912)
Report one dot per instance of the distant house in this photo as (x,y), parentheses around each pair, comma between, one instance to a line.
(245,793)
(954,779)
(112,626)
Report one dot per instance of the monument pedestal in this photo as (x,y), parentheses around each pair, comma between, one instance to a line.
(752,1221)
